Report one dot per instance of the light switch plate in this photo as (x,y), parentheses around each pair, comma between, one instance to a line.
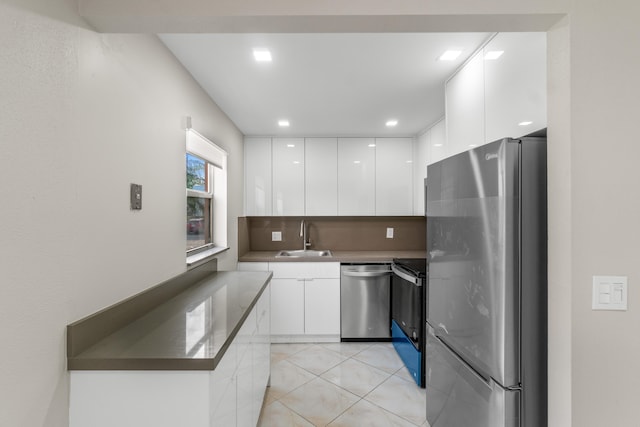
(609,293)
(136,197)
(276,236)
(389,233)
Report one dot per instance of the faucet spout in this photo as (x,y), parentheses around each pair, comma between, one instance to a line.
(303,234)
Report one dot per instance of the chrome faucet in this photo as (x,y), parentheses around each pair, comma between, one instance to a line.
(303,234)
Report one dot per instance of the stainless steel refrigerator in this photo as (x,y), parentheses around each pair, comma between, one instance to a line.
(486,344)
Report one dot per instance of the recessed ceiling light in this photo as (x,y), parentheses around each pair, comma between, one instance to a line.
(291,145)
(262,55)
(357,162)
(437,145)
(372,145)
(450,55)
(493,54)
(283,123)
(391,123)
(524,123)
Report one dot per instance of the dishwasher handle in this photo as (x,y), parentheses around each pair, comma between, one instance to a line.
(353,273)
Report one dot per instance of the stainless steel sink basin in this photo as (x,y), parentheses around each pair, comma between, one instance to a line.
(303,253)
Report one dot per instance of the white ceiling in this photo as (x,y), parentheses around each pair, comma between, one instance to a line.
(326,84)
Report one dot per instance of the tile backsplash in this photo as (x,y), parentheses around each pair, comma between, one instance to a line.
(334,233)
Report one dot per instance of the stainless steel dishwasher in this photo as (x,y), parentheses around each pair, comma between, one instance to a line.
(365,309)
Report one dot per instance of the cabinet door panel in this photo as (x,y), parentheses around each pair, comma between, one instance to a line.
(394,189)
(322,306)
(287,307)
(464,107)
(356,176)
(516,85)
(257,167)
(321,176)
(288,176)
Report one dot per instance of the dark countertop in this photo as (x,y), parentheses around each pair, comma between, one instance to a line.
(338,256)
(188,332)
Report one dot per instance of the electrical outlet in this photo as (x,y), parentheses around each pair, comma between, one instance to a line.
(389,233)
(276,236)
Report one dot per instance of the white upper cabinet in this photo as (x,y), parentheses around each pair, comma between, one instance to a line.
(464,108)
(288,176)
(257,170)
(394,176)
(321,176)
(515,85)
(356,176)
(501,92)
(420,158)
(437,148)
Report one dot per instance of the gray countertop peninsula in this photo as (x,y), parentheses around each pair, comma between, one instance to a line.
(190,331)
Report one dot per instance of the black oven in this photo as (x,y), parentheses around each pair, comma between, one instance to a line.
(408,315)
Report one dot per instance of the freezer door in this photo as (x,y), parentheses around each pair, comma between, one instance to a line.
(473,255)
(458,397)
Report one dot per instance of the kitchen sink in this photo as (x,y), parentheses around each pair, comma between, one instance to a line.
(303,253)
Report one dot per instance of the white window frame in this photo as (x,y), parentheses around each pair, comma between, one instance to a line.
(216,157)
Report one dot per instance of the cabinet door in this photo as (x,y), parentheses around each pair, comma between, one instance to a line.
(464,96)
(394,170)
(223,389)
(262,353)
(287,307)
(420,148)
(515,85)
(322,307)
(257,176)
(321,176)
(244,375)
(356,176)
(288,176)
(437,148)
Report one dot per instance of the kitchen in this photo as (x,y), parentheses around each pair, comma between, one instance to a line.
(338,183)
(64,112)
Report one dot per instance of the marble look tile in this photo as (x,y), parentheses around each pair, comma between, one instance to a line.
(319,401)
(394,396)
(347,349)
(405,375)
(316,359)
(285,377)
(356,377)
(367,414)
(381,356)
(276,414)
(282,351)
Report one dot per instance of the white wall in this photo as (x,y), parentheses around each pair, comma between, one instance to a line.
(83,115)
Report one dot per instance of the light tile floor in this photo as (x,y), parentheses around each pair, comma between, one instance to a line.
(341,384)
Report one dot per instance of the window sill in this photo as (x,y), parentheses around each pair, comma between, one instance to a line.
(204,256)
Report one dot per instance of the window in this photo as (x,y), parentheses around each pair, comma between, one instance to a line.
(206,197)
(199,203)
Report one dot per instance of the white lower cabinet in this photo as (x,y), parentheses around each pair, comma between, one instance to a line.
(230,395)
(322,306)
(305,302)
(287,301)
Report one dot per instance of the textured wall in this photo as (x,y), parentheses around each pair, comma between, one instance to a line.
(83,115)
